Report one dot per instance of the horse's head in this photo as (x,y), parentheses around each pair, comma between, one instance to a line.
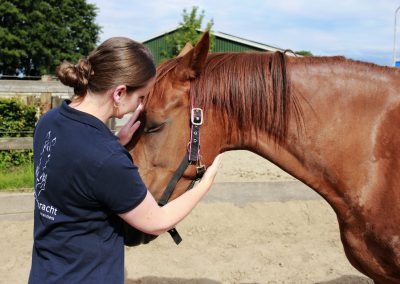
(165,127)
(246,102)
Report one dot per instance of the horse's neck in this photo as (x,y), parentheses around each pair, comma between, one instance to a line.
(342,112)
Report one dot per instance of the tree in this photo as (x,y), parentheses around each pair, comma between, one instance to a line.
(304,53)
(188,32)
(37,35)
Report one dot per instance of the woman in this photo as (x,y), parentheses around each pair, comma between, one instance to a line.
(85,180)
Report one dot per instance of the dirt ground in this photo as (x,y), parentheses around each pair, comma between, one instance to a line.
(258,242)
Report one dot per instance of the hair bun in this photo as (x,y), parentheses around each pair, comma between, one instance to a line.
(75,76)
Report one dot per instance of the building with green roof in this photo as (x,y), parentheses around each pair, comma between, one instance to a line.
(223,43)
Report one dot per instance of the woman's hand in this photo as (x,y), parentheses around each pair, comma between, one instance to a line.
(126,132)
(211,171)
(152,219)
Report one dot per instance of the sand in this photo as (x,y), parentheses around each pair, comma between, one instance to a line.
(257,242)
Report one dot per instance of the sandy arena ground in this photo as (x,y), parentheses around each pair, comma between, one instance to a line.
(258,242)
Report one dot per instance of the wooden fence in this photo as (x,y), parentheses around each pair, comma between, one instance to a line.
(43,94)
(20,143)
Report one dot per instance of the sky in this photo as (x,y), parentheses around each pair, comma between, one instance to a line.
(358,29)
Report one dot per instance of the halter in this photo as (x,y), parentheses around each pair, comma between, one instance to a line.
(192,157)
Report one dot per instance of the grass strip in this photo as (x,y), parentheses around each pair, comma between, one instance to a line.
(17,179)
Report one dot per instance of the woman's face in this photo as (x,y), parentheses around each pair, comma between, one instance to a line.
(131,101)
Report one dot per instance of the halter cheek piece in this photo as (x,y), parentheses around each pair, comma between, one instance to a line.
(192,157)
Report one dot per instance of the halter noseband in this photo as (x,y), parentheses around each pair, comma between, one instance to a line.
(192,157)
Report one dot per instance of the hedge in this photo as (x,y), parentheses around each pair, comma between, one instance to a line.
(16,120)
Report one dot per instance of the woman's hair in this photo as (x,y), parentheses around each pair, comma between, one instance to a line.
(117,61)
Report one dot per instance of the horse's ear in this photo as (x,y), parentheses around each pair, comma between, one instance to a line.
(193,61)
(188,47)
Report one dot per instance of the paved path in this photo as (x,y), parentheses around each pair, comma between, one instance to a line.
(20,205)
(241,193)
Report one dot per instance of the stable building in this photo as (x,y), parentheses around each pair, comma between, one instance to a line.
(222,43)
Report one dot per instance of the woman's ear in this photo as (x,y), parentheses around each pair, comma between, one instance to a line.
(118,93)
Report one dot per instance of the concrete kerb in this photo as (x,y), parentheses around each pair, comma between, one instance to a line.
(16,206)
(241,193)
(20,205)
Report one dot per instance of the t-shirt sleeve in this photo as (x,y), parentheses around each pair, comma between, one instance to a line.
(118,185)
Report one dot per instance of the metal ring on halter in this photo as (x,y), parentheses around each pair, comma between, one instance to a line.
(197,116)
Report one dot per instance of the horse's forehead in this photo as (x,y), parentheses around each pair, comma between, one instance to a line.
(166,94)
(167,88)
(170,80)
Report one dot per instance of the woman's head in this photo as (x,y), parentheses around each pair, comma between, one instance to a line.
(117,61)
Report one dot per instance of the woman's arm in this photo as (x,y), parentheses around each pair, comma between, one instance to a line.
(148,217)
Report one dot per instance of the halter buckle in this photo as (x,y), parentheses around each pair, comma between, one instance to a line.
(200,170)
(197,116)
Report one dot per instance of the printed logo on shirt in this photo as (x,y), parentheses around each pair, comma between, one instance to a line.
(47,211)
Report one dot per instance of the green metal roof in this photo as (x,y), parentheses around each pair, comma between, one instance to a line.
(223,43)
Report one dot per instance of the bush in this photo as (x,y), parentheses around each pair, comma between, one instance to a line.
(16,120)
(15,158)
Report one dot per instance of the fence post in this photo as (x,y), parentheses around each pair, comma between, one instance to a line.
(45,103)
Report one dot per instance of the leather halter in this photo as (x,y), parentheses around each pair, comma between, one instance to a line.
(192,157)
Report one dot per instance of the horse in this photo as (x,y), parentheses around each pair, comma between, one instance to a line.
(331,122)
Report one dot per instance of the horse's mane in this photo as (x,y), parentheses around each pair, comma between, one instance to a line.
(252,89)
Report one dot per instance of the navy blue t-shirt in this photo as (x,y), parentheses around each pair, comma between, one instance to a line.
(83,179)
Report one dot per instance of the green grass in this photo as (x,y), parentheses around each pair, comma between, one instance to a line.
(17,179)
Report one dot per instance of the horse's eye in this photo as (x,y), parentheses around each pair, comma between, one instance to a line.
(153,128)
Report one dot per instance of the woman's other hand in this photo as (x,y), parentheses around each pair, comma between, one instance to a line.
(126,132)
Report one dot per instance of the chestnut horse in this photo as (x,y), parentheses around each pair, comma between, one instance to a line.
(332,123)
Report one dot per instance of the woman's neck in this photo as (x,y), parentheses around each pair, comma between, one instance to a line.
(99,106)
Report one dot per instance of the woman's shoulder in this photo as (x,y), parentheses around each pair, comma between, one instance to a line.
(105,147)
(48,116)
(115,150)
